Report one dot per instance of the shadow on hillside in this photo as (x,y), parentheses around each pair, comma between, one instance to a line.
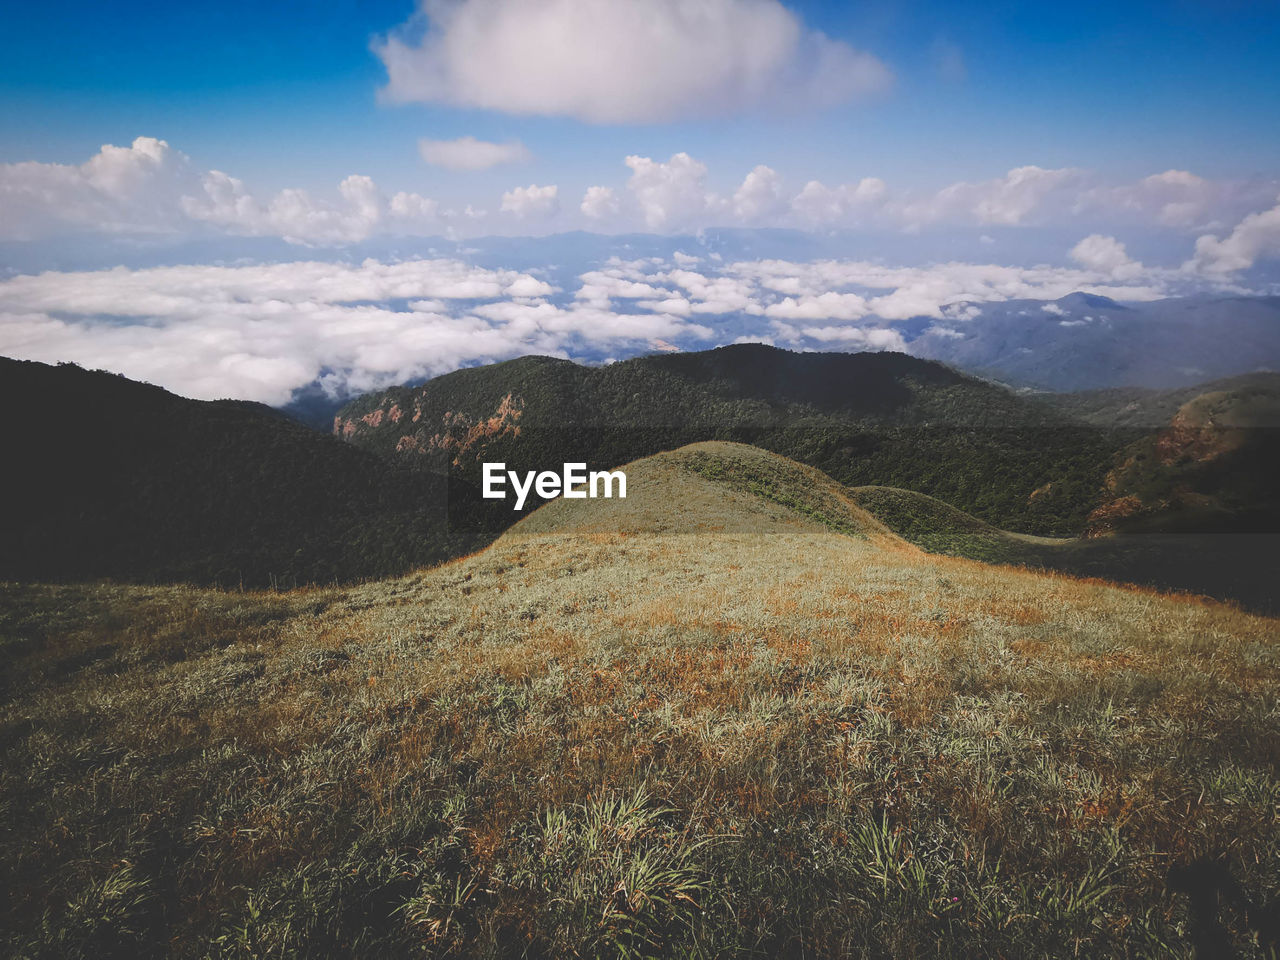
(1239,567)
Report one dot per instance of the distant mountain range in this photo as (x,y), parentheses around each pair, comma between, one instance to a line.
(1087,342)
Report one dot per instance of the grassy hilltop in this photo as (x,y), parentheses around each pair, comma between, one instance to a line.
(732,715)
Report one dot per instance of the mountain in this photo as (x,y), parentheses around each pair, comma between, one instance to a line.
(1213,467)
(729,716)
(108,477)
(1087,342)
(870,418)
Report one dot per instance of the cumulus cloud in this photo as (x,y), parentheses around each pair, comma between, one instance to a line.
(149,188)
(850,338)
(468,153)
(1255,237)
(644,61)
(670,194)
(1174,198)
(819,204)
(760,196)
(823,306)
(531,201)
(1106,255)
(413,208)
(133,189)
(599,203)
(292,214)
(1007,200)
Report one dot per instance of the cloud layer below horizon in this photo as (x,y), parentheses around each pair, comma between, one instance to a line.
(260,332)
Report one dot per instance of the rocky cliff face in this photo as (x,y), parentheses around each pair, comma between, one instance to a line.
(457,434)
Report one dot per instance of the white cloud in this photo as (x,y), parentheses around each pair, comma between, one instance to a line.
(291,214)
(259,332)
(601,286)
(134,189)
(1255,237)
(941,291)
(643,61)
(150,191)
(824,306)
(150,188)
(413,208)
(599,203)
(819,204)
(670,194)
(531,201)
(1106,255)
(1174,198)
(468,153)
(760,196)
(859,338)
(1007,200)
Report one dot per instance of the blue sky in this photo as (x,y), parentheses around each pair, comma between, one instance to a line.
(246,199)
(285,94)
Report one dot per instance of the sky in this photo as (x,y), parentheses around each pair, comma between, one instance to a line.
(1132,148)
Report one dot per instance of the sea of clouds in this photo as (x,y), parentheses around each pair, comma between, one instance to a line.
(261,331)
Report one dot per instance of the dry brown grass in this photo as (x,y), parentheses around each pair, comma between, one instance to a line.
(811,701)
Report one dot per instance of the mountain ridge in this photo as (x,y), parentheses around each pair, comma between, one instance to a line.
(883,418)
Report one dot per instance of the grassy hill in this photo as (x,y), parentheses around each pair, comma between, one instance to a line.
(940,528)
(881,418)
(755,491)
(109,477)
(731,716)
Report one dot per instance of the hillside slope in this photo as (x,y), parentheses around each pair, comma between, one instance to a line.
(1239,567)
(879,418)
(109,477)
(1213,467)
(719,725)
(709,488)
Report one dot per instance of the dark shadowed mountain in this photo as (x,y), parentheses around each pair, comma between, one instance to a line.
(1086,342)
(108,477)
